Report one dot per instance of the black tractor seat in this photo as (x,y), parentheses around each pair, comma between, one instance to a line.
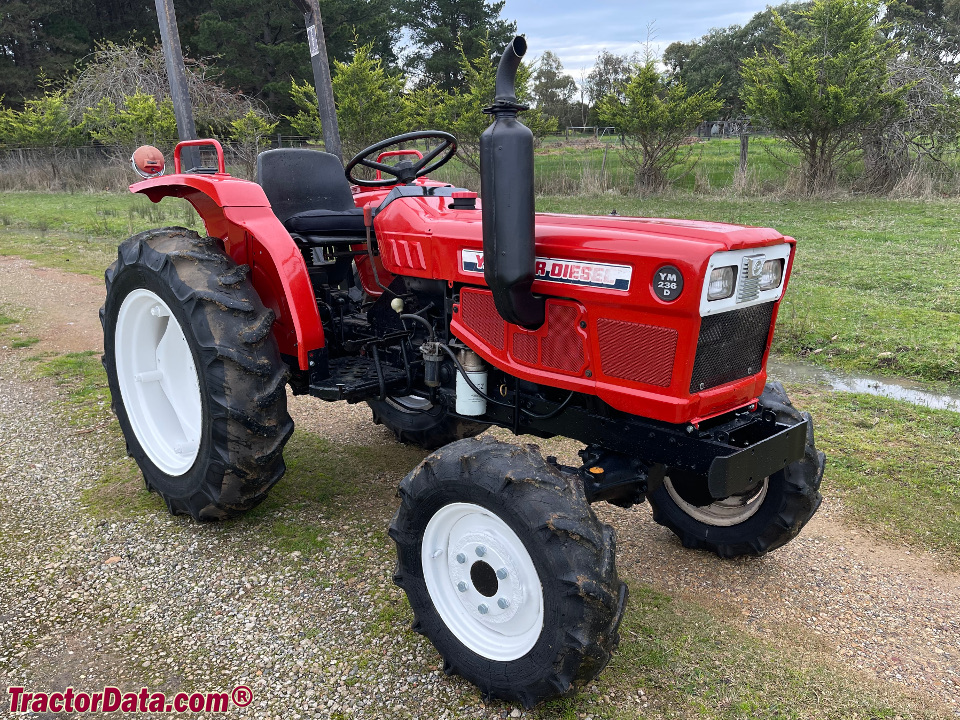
(310,194)
(327,223)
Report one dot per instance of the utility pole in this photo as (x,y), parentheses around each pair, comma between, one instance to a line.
(177,77)
(321,76)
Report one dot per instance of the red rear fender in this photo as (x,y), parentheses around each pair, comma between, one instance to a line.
(238,212)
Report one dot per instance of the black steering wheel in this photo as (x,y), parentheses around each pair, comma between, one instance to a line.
(404,172)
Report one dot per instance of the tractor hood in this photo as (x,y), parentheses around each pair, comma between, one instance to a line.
(715,235)
(423,235)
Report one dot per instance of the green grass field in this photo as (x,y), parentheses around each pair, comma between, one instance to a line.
(80,232)
(709,165)
(569,169)
(91,216)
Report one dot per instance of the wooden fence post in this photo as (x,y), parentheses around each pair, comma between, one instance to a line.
(177,77)
(321,77)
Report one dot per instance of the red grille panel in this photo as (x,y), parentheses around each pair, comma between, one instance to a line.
(525,348)
(559,345)
(479,313)
(642,353)
(563,346)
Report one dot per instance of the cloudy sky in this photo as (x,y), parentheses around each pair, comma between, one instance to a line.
(577,30)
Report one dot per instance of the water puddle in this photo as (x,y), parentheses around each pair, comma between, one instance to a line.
(797,371)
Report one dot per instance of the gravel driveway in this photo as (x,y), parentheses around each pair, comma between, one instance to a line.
(148,599)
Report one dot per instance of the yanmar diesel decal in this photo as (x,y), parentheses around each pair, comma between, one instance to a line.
(570,272)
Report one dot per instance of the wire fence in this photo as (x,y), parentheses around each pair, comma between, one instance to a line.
(585,161)
(107,167)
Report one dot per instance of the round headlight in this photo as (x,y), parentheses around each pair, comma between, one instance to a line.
(772,274)
(721,283)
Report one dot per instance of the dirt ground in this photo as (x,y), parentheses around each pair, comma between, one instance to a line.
(63,306)
(889,611)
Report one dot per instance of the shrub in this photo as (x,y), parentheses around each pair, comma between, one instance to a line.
(139,121)
(654,117)
(824,84)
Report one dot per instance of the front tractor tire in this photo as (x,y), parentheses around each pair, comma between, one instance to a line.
(508,571)
(757,522)
(198,384)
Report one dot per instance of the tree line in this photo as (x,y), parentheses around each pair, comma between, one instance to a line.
(373,103)
(250,46)
(837,79)
(846,83)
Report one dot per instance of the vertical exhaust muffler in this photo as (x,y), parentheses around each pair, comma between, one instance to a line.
(506,187)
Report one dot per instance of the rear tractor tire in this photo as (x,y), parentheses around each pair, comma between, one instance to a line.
(197,381)
(757,522)
(509,572)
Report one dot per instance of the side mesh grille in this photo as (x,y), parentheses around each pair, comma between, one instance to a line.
(480,314)
(560,345)
(731,346)
(563,346)
(526,348)
(641,353)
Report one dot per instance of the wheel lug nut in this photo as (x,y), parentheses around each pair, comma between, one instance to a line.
(502,573)
(461,558)
(503,603)
(483,609)
(481,551)
(462,586)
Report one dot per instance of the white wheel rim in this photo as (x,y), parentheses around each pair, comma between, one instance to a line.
(158,382)
(461,545)
(410,403)
(727,512)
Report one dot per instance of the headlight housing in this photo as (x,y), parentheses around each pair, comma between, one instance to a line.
(722,283)
(772,274)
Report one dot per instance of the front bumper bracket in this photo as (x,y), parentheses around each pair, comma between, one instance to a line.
(741,471)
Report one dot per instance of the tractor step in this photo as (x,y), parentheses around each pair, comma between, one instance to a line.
(355,378)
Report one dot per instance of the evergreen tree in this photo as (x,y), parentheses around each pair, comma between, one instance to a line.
(824,84)
(252,46)
(444,30)
(370,103)
(655,116)
(461,112)
(35,35)
(260,46)
(929,30)
(554,91)
(714,59)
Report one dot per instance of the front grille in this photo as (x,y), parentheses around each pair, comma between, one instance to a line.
(731,346)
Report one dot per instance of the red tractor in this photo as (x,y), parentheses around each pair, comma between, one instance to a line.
(645,340)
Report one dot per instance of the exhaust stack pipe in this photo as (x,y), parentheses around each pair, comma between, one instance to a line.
(506,186)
